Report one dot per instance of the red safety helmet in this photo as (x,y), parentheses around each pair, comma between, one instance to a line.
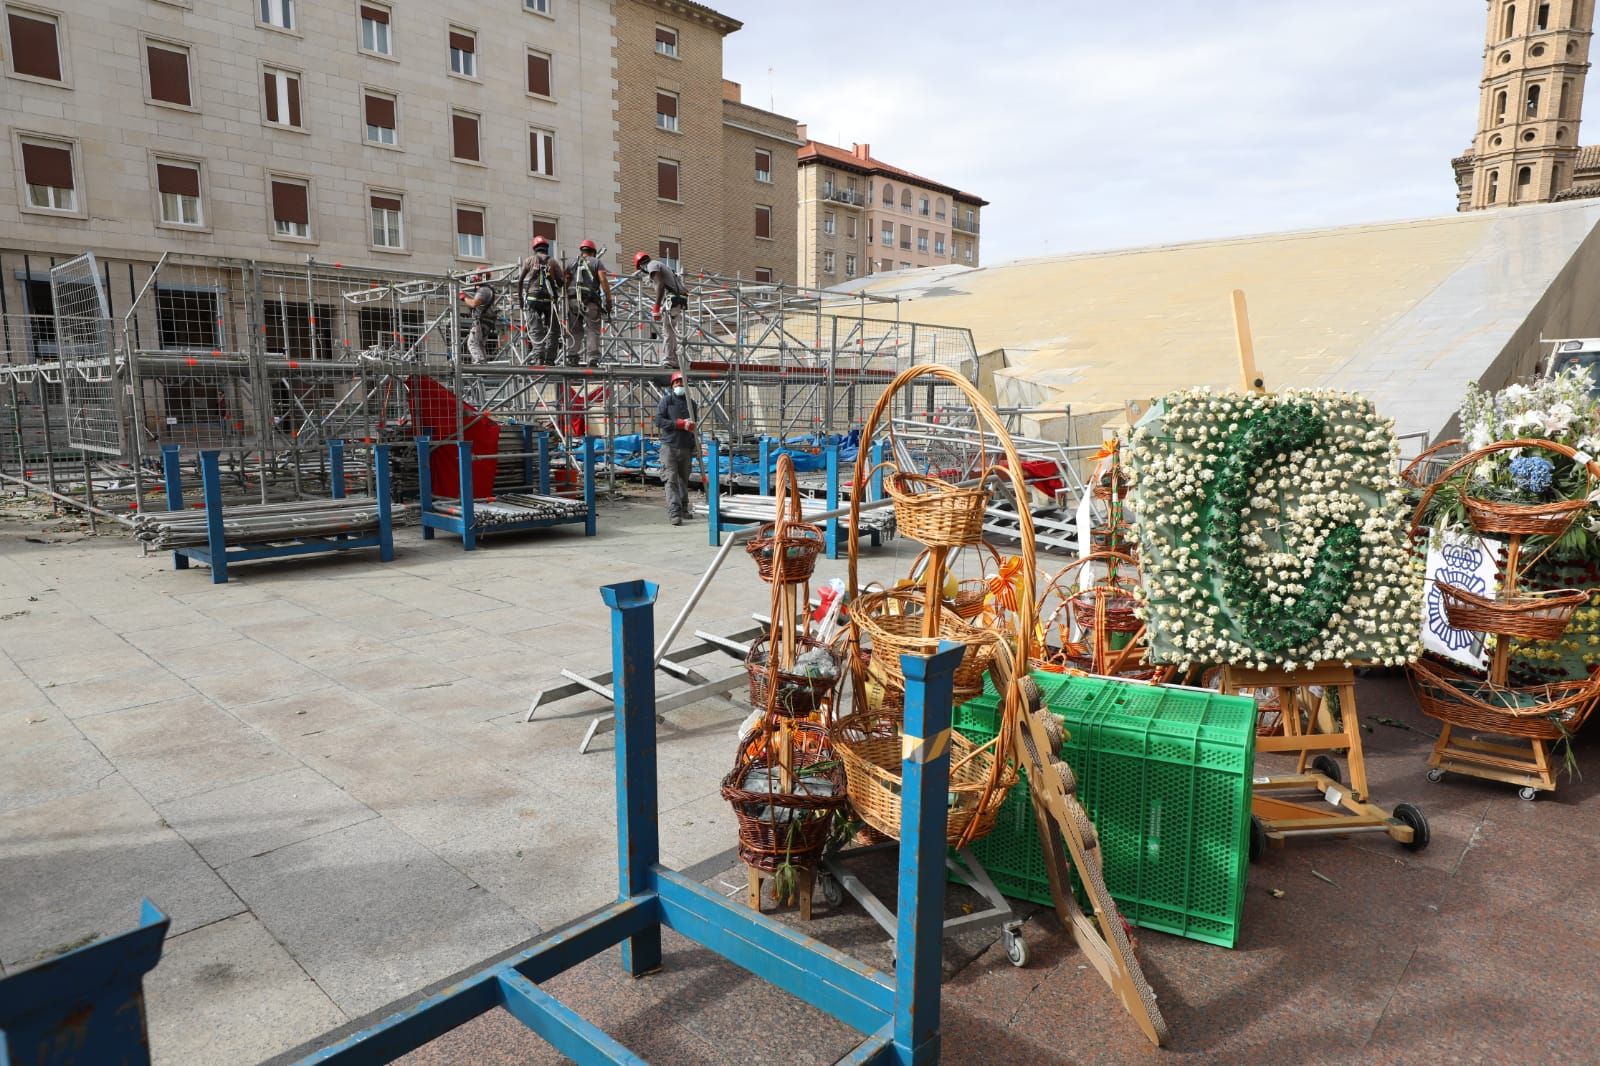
(587,246)
(540,241)
(640,259)
(677,375)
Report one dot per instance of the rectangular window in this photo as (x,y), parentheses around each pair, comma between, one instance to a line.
(850,227)
(938,244)
(667,41)
(542,152)
(464,136)
(666,111)
(375,30)
(849,266)
(469,232)
(299,330)
(282,89)
(463,53)
(279,13)
(922,206)
(830,225)
(35,49)
(169,73)
(387,225)
(179,186)
(969,253)
(546,228)
(666,179)
(1544,16)
(538,74)
(763,221)
(380,116)
(538,7)
(667,250)
(763,165)
(47,171)
(905,237)
(922,240)
(888,234)
(291,208)
(827,262)
(764,274)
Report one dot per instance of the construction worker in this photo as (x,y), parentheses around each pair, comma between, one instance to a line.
(542,290)
(675,422)
(481,302)
(669,291)
(593,286)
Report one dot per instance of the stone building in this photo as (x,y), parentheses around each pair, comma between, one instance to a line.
(705,180)
(1526,151)
(860,215)
(418,137)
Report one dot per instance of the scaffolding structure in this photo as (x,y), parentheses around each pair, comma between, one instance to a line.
(266,363)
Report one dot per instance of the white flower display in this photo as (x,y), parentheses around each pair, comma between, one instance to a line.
(1273,531)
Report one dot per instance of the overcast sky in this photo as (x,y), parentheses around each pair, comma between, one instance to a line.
(1094,125)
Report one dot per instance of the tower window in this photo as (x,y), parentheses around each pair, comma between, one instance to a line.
(1533,101)
(1536,51)
(1561,134)
(1566,98)
(1500,106)
(1511,21)
(1555,179)
(1528,136)
(1524,183)
(1544,16)
(1494,187)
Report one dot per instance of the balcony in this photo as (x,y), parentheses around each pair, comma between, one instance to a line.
(964,226)
(849,197)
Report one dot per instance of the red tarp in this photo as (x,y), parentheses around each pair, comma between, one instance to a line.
(433,412)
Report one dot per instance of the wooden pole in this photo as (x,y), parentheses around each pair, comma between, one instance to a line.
(1249,375)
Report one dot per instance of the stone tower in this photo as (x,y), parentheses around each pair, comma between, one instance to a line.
(1535,60)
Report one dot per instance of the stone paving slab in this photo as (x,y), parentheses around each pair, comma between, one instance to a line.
(261,815)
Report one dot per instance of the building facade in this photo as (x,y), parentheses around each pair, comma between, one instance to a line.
(705,180)
(413,137)
(1526,151)
(859,215)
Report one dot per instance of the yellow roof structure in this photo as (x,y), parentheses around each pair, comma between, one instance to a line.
(1406,312)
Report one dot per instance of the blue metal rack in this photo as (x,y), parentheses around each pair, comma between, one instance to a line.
(719,524)
(465,525)
(898,1014)
(217,555)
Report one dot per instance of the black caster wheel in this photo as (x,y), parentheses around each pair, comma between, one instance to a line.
(832,892)
(1258,838)
(1528,793)
(1328,767)
(1016,949)
(1436,775)
(1406,813)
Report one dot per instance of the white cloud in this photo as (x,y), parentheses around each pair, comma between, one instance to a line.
(1172,119)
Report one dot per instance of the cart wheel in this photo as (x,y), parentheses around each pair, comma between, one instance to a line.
(832,891)
(1436,775)
(1527,792)
(1328,767)
(1258,838)
(1405,812)
(1016,949)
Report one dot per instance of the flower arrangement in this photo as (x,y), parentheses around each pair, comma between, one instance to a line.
(1272,531)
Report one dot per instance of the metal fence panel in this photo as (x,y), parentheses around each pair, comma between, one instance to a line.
(91,396)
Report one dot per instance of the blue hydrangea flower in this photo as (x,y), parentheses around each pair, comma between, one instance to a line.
(1533,474)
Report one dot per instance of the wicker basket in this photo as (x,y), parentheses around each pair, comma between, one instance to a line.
(1529,519)
(870,748)
(1105,490)
(1121,609)
(892,621)
(1536,616)
(1120,538)
(768,840)
(1538,712)
(791,562)
(936,513)
(798,695)
(1426,468)
(1078,657)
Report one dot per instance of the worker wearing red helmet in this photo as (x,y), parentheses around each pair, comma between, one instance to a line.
(592,285)
(675,422)
(542,292)
(671,293)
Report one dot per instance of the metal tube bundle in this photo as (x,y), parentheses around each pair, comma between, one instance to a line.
(262,522)
(513,507)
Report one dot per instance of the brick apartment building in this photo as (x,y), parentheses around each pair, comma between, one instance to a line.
(417,137)
(705,180)
(859,215)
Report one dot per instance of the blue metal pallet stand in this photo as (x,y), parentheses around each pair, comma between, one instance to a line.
(833,530)
(899,1013)
(464,525)
(217,555)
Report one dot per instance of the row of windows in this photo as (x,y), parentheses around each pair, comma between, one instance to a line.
(36,52)
(1508,24)
(886,196)
(669,250)
(669,187)
(1532,99)
(849,264)
(667,119)
(1522,190)
(280,14)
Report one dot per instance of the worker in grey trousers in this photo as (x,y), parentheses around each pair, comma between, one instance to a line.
(675,422)
(671,299)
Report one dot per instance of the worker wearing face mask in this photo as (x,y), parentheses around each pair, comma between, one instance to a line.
(675,422)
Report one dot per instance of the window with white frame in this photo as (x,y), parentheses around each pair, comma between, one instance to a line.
(764,274)
(291,208)
(179,186)
(375,30)
(850,226)
(669,250)
(538,7)
(666,111)
(35,44)
(938,244)
(922,206)
(463,53)
(827,262)
(380,109)
(542,152)
(667,41)
(763,165)
(279,13)
(922,240)
(388,226)
(469,231)
(969,253)
(47,172)
(849,266)
(169,72)
(888,234)
(830,224)
(281,89)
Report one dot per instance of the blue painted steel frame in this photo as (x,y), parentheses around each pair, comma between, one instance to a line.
(217,555)
(717,526)
(462,525)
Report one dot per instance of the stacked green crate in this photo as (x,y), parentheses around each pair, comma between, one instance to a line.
(1164,772)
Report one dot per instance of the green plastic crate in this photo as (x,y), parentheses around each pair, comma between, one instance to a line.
(1164,772)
